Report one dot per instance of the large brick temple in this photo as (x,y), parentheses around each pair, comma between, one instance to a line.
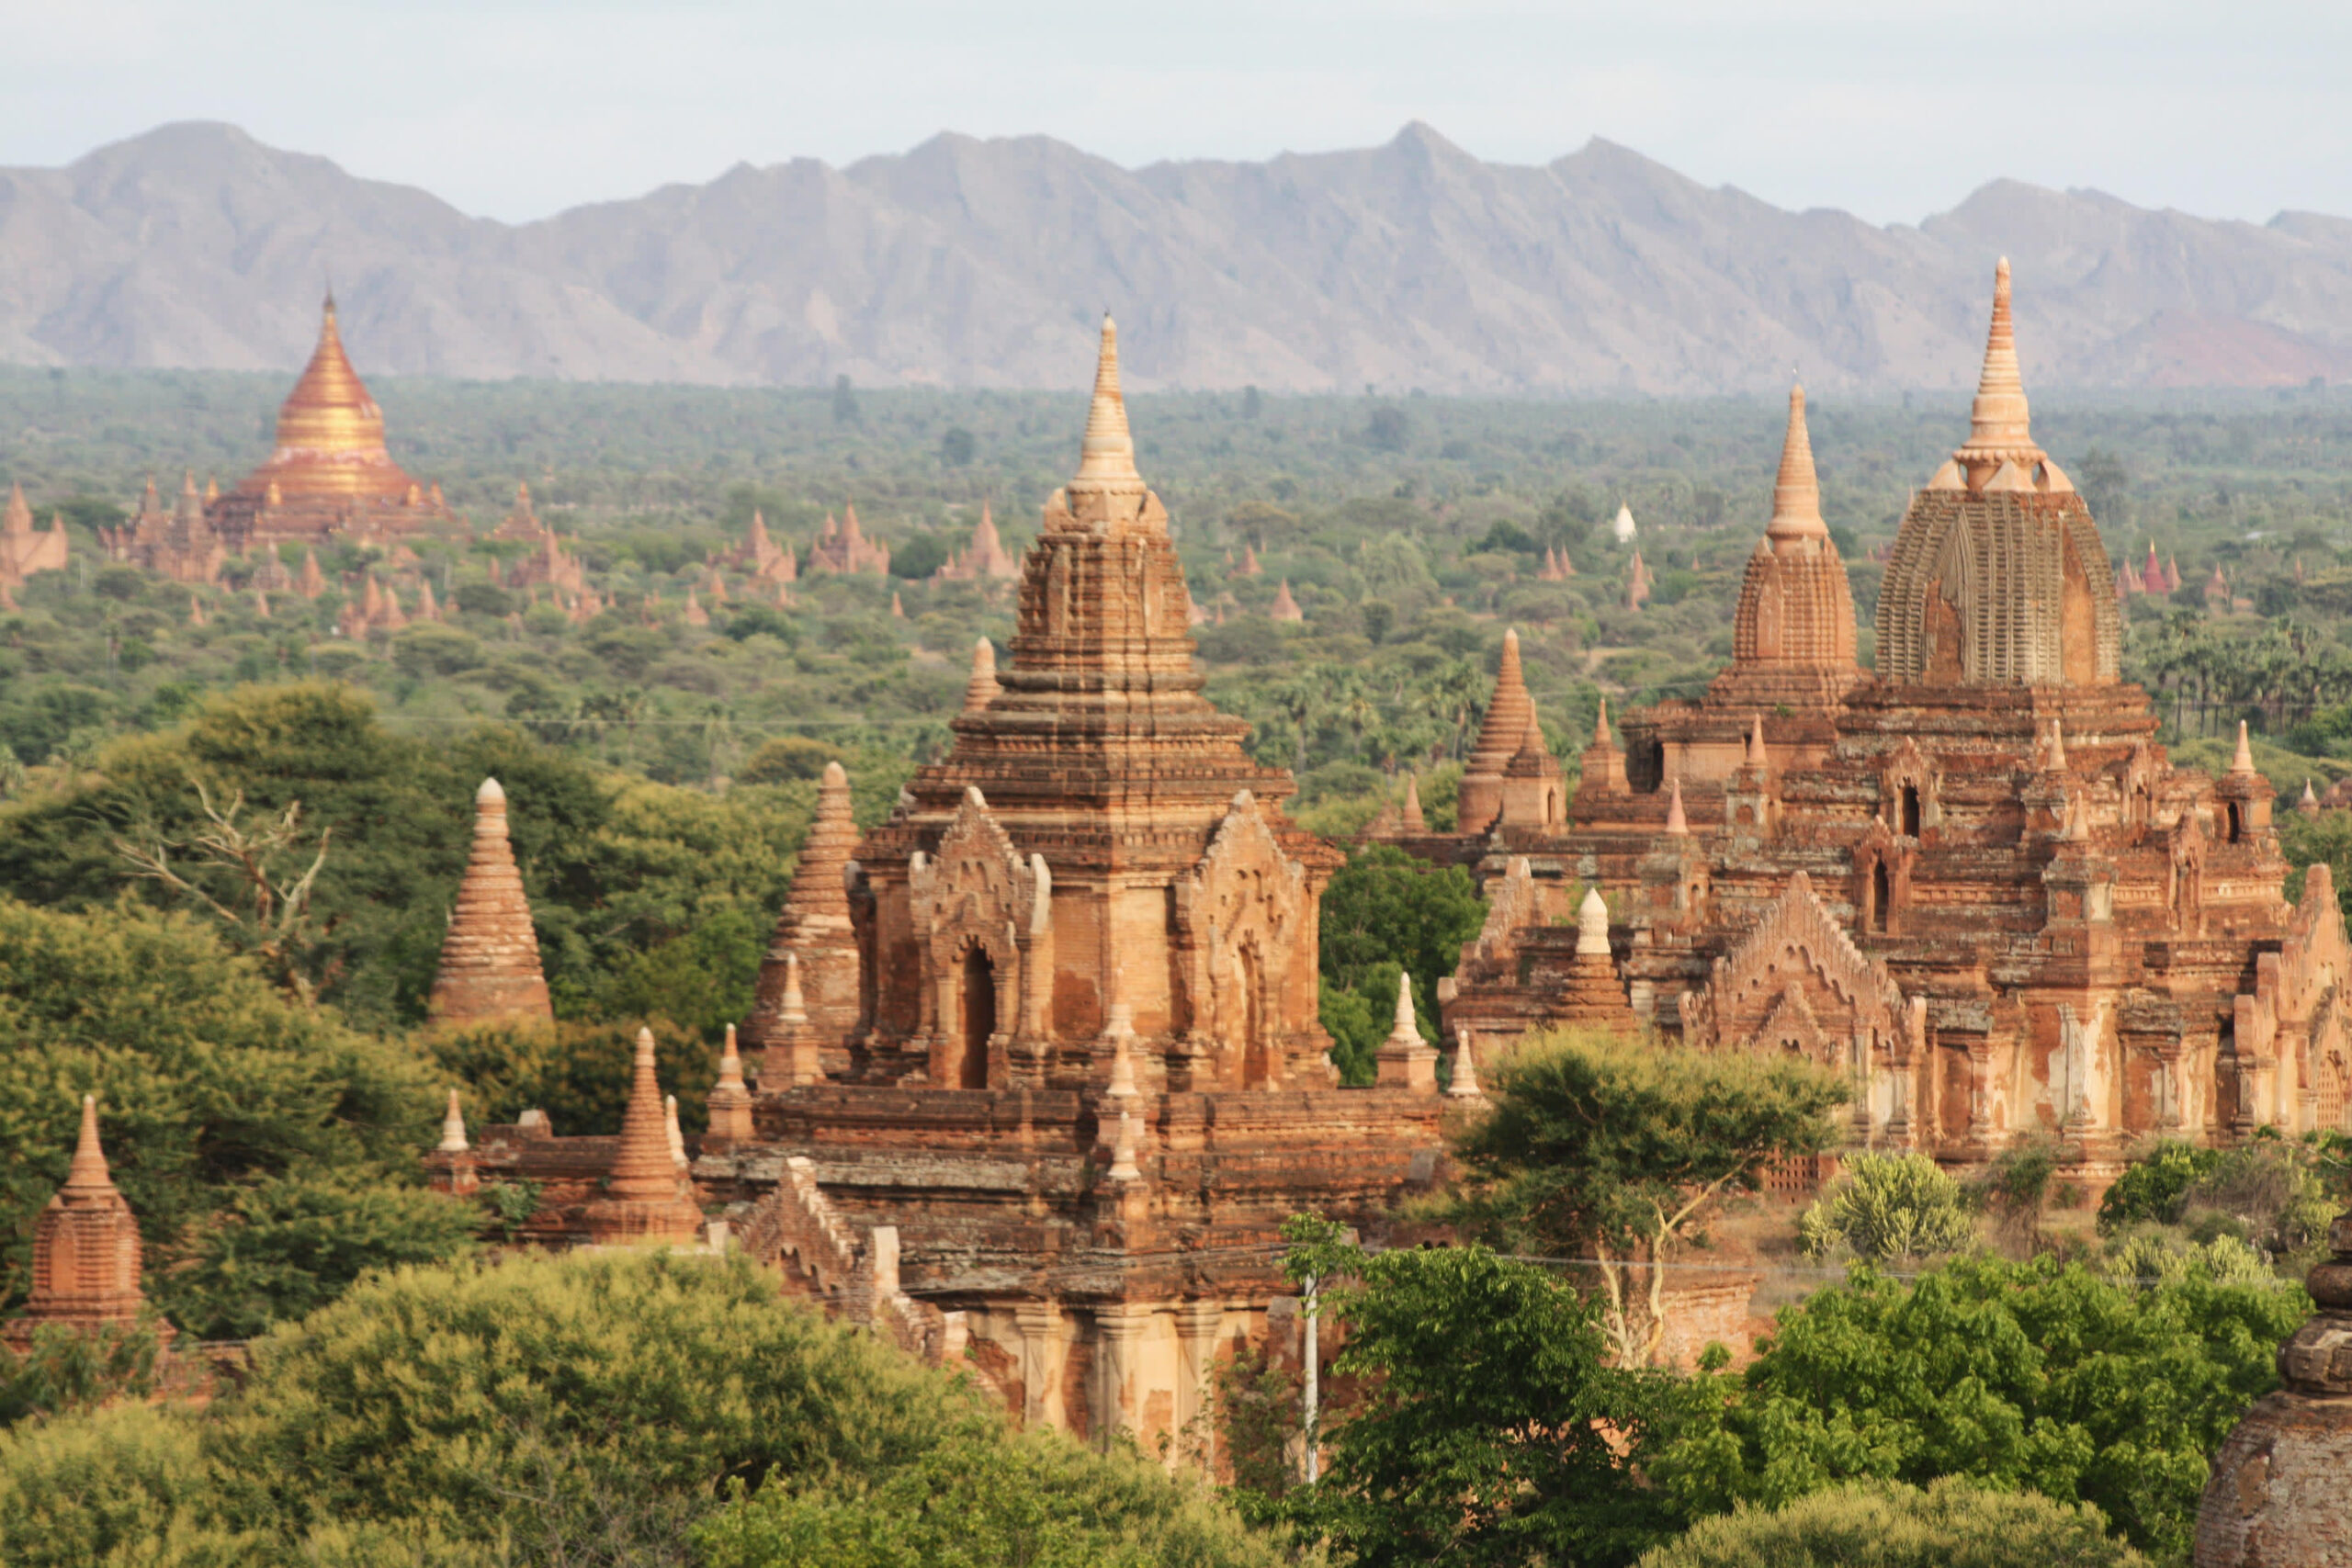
(1972,880)
(1039,1066)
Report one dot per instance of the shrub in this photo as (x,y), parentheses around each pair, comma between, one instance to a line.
(1888,1206)
(1950,1525)
(2153,1188)
(528,1397)
(1037,1500)
(2037,1374)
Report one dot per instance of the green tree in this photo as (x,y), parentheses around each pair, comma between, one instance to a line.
(2041,1375)
(1888,1206)
(215,1090)
(1952,1524)
(1617,1149)
(65,1367)
(532,1400)
(1488,1426)
(986,1499)
(1385,911)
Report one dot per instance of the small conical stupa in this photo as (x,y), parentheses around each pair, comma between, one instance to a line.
(647,1198)
(813,933)
(86,1250)
(489,959)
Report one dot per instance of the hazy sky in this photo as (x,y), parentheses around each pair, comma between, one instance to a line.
(1892,108)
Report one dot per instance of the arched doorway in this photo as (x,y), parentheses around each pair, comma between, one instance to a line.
(979,1018)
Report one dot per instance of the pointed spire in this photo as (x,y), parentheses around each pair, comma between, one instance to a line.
(453,1128)
(670,1133)
(1121,1031)
(2243,763)
(89,1173)
(1123,1152)
(1414,822)
(1406,1033)
(19,519)
(1998,421)
(1592,925)
(1285,608)
(1601,725)
(1796,494)
(2309,804)
(729,1098)
(898,609)
(646,1196)
(1106,461)
(1676,823)
(1464,1085)
(489,959)
(1756,754)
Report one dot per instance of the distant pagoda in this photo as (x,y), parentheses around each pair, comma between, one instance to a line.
(330,472)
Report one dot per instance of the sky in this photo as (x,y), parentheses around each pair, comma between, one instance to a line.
(1894,109)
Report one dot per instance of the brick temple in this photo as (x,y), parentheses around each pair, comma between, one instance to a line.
(1972,881)
(1039,1066)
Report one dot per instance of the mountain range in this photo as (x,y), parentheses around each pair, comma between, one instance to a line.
(983,263)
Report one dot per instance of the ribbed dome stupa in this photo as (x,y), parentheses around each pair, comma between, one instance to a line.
(1998,575)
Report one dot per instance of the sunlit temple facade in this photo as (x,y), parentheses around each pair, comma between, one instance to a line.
(1972,880)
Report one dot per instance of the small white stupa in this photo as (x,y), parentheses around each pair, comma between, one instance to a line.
(1624,527)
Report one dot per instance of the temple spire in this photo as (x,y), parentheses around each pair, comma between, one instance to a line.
(1796,492)
(88,1172)
(490,960)
(982,688)
(453,1128)
(1106,458)
(1998,421)
(1678,822)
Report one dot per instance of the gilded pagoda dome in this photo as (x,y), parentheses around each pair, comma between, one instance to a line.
(1998,575)
(330,435)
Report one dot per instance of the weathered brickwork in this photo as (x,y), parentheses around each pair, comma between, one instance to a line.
(86,1250)
(489,959)
(1974,882)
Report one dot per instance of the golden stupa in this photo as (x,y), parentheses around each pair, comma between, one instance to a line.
(330,433)
(330,473)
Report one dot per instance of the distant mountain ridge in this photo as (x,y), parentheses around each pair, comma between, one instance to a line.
(971,262)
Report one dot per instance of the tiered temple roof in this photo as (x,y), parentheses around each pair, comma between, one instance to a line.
(25,549)
(812,957)
(1079,1079)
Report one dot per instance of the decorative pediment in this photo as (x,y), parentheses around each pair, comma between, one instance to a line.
(976,887)
(1244,880)
(1797,946)
(1244,909)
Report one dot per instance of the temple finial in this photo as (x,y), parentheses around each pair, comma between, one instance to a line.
(1106,458)
(88,1172)
(453,1128)
(1796,492)
(1998,421)
(2243,763)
